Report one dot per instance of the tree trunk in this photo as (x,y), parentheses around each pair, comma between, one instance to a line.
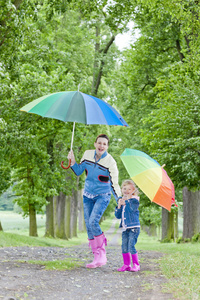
(49,218)
(169,225)
(60,216)
(81,221)
(152,230)
(191,213)
(67,216)
(1,228)
(32,221)
(74,211)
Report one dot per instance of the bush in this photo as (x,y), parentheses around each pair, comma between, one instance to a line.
(196,238)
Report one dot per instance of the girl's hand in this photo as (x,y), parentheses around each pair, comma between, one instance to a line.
(72,157)
(124,198)
(121,202)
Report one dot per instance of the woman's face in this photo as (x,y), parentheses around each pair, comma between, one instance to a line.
(101,145)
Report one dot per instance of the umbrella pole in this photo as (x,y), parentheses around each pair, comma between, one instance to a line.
(70,149)
(72,136)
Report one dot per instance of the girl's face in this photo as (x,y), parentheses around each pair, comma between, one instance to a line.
(128,190)
(101,145)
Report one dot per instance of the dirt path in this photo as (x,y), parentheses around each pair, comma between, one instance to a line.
(20,280)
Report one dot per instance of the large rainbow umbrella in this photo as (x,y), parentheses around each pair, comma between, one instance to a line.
(75,106)
(150,177)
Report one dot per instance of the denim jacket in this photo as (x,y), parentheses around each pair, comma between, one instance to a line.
(101,176)
(129,213)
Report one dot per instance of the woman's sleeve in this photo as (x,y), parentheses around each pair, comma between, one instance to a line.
(78,169)
(114,173)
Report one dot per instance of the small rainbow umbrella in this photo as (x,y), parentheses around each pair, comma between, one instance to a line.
(150,177)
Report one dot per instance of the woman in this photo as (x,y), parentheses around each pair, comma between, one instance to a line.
(101,179)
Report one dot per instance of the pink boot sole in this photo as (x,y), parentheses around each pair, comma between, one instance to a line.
(124,268)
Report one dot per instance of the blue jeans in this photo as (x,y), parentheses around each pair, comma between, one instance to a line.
(93,211)
(129,240)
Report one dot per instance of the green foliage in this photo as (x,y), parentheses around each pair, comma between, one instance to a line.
(150,213)
(196,237)
(55,52)
(6,200)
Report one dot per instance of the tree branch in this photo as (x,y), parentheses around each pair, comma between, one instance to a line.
(178,47)
(105,50)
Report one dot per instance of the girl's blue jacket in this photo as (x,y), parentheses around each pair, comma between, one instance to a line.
(128,213)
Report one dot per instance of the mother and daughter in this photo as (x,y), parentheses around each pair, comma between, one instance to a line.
(102,180)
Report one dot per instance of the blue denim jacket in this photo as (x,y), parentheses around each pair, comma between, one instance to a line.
(101,176)
(130,212)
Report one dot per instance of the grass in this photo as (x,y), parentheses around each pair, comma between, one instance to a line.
(180,265)
(16,232)
(61,265)
(15,223)
(182,270)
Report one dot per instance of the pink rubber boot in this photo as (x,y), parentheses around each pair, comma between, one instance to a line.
(101,242)
(136,265)
(95,251)
(127,262)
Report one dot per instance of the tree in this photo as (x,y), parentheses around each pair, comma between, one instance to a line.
(191,210)
(40,64)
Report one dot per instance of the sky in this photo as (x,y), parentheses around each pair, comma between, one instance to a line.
(124,40)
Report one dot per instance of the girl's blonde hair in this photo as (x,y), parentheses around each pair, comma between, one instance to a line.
(131,182)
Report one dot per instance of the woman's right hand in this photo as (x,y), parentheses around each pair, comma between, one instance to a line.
(72,157)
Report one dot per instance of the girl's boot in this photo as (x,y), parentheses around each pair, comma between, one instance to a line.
(136,265)
(127,262)
(95,251)
(101,242)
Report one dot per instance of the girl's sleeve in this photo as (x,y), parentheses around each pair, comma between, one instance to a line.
(118,212)
(132,204)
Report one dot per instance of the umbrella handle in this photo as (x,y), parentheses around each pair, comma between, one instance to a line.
(71,149)
(64,166)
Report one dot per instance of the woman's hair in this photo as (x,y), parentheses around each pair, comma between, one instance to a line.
(103,136)
(131,182)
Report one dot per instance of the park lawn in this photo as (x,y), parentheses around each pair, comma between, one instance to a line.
(181,264)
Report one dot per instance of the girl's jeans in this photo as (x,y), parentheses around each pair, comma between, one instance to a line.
(129,240)
(93,211)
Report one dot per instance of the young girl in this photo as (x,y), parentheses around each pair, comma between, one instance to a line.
(127,211)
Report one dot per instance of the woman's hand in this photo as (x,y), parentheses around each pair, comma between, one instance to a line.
(72,157)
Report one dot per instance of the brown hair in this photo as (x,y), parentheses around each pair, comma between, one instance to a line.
(131,182)
(103,136)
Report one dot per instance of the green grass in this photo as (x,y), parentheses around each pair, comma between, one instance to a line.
(181,265)
(182,270)
(61,265)
(16,233)
(15,223)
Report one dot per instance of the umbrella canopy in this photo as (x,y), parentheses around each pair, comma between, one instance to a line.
(74,106)
(150,177)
